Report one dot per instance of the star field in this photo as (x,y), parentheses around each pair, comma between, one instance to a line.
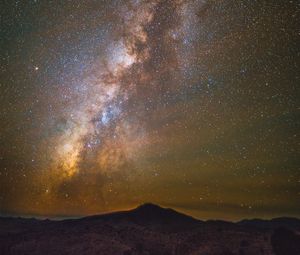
(193,104)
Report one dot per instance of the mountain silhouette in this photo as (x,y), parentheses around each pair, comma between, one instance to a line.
(148,229)
(149,214)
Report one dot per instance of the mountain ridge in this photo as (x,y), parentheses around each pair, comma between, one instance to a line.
(152,206)
(148,229)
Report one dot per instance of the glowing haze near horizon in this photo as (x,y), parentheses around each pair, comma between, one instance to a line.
(188,104)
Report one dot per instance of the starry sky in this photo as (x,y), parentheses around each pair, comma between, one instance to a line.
(190,104)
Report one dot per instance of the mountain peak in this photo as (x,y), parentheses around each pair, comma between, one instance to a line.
(149,206)
(149,213)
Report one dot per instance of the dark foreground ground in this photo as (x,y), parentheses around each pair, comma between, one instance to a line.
(149,229)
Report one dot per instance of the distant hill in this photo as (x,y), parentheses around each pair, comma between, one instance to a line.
(149,229)
(291,223)
(150,215)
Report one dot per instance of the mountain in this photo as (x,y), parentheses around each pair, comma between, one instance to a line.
(151,215)
(291,223)
(149,229)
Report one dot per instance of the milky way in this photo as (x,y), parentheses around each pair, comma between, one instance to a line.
(188,104)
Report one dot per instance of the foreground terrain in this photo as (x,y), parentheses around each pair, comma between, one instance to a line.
(149,229)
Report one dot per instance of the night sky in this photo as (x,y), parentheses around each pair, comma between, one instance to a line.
(105,105)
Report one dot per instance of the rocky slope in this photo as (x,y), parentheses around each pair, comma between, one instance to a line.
(149,229)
